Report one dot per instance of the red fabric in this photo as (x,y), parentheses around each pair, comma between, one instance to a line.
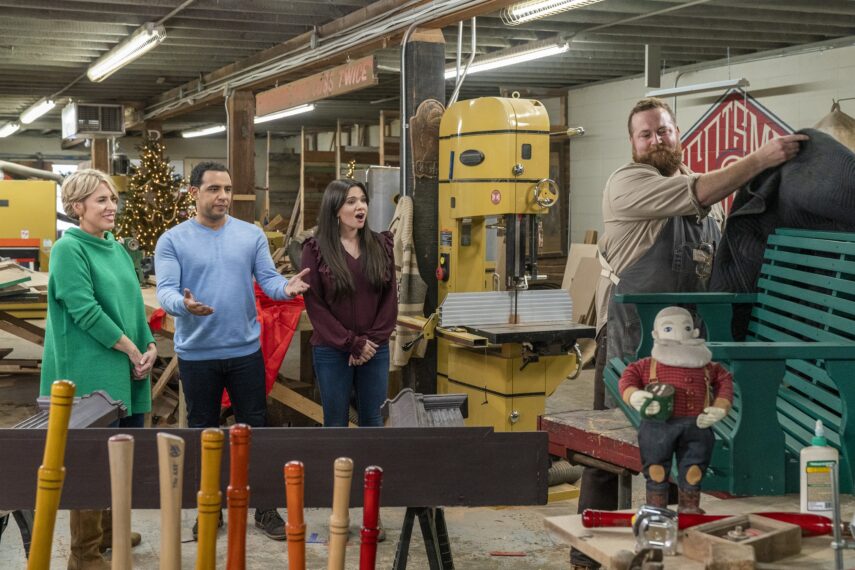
(689,384)
(279,320)
(155,321)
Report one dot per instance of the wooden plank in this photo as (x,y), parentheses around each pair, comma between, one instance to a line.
(351,76)
(164,377)
(10,276)
(583,289)
(578,251)
(21,328)
(241,152)
(100,155)
(423,466)
(299,403)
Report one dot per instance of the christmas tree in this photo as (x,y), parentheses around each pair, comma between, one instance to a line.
(154,201)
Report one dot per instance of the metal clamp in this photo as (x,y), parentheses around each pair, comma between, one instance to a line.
(546,193)
(578,352)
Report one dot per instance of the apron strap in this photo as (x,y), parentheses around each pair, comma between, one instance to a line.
(707,392)
(607,270)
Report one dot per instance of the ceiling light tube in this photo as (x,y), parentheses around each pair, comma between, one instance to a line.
(212,130)
(699,88)
(535,9)
(284,113)
(147,37)
(8,129)
(36,110)
(511,57)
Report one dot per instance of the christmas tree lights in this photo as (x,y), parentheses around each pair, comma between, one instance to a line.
(154,201)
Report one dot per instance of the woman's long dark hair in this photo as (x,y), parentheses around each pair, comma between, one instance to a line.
(372,255)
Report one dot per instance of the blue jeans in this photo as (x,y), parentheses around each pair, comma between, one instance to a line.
(337,380)
(241,377)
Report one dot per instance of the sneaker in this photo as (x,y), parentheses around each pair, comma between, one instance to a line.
(270,523)
(220,524)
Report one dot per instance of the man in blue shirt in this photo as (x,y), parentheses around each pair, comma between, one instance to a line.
(205,268)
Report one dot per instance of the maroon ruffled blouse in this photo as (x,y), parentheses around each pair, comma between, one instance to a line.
(346,323)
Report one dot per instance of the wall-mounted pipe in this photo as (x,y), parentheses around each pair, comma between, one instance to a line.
(462,76)
(21,170)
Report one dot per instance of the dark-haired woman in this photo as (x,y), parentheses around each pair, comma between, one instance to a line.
(352,304)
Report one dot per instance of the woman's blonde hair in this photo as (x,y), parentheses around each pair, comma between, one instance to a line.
(79,185)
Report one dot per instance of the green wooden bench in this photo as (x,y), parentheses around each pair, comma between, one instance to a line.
(797,364)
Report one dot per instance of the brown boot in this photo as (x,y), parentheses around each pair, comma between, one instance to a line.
(690,501)
(107,532)
(657,498)
(85,537)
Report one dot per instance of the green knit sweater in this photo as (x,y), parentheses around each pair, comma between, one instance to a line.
(93,298)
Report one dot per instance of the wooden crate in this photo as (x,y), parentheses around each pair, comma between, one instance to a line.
(771,540)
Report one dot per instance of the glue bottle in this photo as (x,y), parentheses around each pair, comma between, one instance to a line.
(815,467)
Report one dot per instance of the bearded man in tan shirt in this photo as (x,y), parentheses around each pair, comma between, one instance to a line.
(659,237)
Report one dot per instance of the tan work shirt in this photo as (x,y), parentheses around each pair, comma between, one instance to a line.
(637,203)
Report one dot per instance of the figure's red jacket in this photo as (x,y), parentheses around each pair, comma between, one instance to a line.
(690,385)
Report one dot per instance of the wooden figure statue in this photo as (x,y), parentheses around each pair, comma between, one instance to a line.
(680,395)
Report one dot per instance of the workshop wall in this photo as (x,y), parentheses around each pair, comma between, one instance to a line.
(797,88)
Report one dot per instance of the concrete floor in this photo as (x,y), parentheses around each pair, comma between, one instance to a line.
(477,534)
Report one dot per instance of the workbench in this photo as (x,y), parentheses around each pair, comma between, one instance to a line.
(603,544)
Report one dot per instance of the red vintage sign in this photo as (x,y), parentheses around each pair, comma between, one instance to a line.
(733,127)
(736,125)
(345,78)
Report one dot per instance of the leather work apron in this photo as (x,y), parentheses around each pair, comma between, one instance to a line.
(673,264)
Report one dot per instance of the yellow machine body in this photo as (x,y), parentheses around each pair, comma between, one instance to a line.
(28,212)
(507,133)
(492,153)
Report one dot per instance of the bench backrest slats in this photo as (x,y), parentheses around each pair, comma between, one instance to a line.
(809,278)
(834,265)
(775,291)
(804,312)
(801,410)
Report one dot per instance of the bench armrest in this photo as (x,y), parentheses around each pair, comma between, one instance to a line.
(734,351)
(715,309)
(685,298)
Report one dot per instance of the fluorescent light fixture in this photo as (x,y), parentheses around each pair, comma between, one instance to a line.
(37,110)
(535,9)
(512,56)
(8,129)
(699,88)
(214,129)
(147,37)
(284,113)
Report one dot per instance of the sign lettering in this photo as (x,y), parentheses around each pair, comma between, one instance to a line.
(735,126)
(345,78)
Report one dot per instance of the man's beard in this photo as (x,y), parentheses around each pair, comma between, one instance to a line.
(661,157)
(691,353)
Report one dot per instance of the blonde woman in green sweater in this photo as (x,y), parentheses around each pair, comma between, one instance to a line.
(97,335)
